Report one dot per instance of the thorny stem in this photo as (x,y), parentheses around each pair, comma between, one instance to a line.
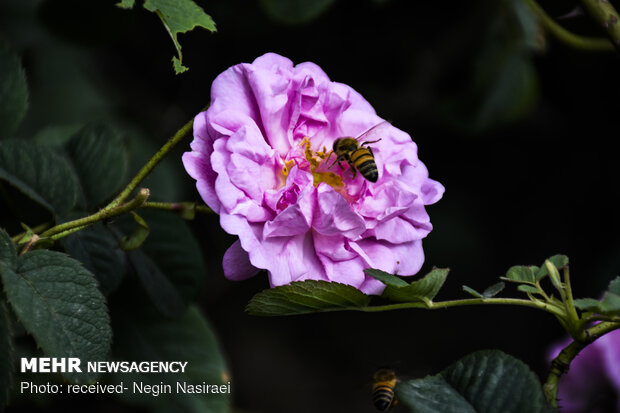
(566,37)
(560,364)
(34,230)
(605,15)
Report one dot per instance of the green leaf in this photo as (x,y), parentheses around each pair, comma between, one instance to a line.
(528,289)
(162,292)
(169,263)
(56,136)
(100,160)
(473,292)
(175,250)
(386,278)
(178,16)
(13,92)
(39,173)
(8,253)
(126,4)
(609,305)
(309,296)
(423,290)
(97,249)
(485,381)
(58,302)
(6,355)
(295,11)
(189,339)
(493,290)
(588,304)
(520,274)
(138,235)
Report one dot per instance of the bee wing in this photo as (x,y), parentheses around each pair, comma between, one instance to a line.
(375,133)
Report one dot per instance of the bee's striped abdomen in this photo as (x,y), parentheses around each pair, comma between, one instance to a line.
(364,162)
(383,389)
(382,397)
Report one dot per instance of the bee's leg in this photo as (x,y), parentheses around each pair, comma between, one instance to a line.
(338,159)
(353,169)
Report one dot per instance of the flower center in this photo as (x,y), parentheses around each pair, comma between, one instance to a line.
(317,166)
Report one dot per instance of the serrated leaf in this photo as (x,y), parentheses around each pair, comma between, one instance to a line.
(13,92)
(295,11)
(190,339)
(100,160)
(308,296)
(39,173)
(8,253)
(6,355)
(588,304)
(609,305)
(493,290)
(528,289)
(473,292)
(386,278)
(178,16)
(423,290)
(485,381)
(58,302)
(97,249)
(520,274)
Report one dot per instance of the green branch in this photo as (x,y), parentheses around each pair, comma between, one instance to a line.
(558,312)
(67,228)
(179,207)
(566,37)
(152,163)
(560,364)
(607,17)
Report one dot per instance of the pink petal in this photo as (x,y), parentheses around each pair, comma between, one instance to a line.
(236,263)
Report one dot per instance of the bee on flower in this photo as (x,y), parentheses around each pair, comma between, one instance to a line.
(260,160)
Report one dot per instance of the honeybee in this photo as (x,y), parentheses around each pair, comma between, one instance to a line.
(359,156)
(383,384)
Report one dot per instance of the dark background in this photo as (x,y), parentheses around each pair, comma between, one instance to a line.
(519,189)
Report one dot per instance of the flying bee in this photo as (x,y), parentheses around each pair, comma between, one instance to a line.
(359,156)
(383,385)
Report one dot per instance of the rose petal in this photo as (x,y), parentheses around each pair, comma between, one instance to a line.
(236,263)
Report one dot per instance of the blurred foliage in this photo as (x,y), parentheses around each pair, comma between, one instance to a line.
(295,11)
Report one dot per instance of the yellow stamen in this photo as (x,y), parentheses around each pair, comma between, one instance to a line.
(315,159)
(288,165)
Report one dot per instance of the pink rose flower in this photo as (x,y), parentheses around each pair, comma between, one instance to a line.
(261,160)
(592,385)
